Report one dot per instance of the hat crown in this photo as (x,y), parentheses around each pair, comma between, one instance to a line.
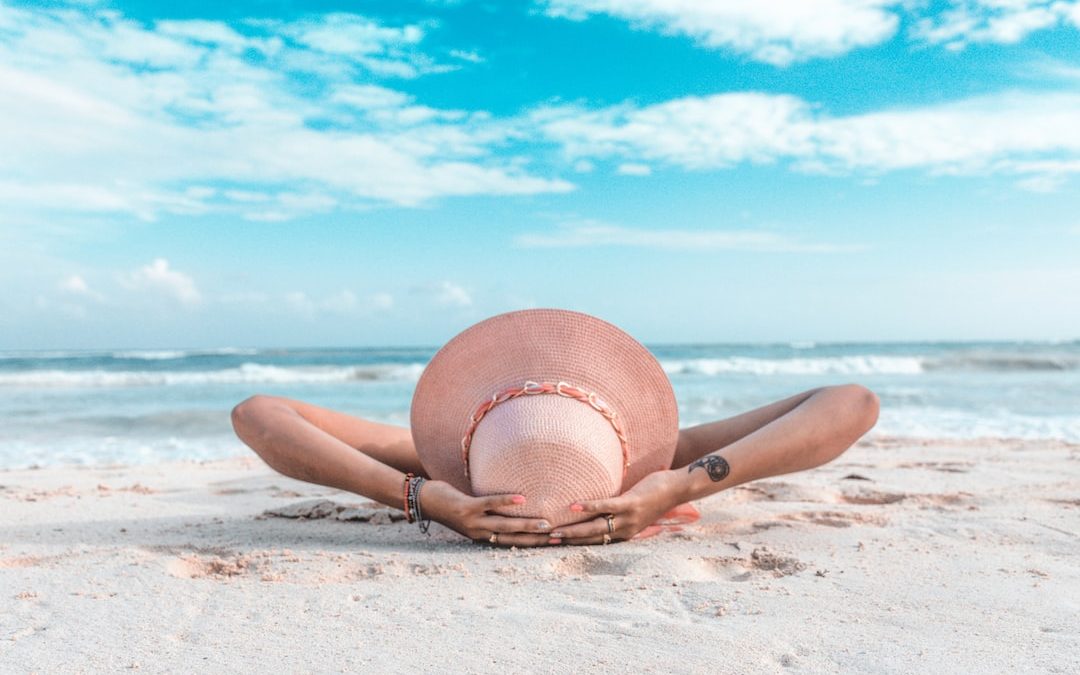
(554,449)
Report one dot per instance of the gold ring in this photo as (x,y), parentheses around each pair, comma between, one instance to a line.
(607,538)
(611,523)
(494,538)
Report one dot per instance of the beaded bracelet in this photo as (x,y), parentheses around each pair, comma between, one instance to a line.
(417,482)
(411,498)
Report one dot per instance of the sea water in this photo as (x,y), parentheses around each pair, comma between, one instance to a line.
(137,406)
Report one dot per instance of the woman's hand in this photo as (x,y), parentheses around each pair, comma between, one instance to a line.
(469,516)
(634,510)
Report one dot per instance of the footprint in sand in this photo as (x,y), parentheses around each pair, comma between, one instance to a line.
(221,563)
(945,467)
(836,518)
(872,497)
(740,526)
(761,560)
(586,563)
(774,491)
(199,567)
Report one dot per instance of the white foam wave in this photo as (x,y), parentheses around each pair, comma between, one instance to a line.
(248,373)
(931,422)
(139,354)
(838,365)
(169,354)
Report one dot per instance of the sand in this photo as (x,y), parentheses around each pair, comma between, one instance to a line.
(901,556)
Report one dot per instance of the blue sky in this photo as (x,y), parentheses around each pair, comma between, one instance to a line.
(374,173)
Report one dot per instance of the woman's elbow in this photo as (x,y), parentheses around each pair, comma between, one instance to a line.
(245,414)
(863,404)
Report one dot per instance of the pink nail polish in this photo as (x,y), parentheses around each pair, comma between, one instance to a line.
(577,507)
(518,499)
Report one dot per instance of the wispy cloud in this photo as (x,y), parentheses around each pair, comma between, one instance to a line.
(630,169)
(778,32)
(100,113)
(592,233)
(998,21)
(1028,135)
(782,32)
(444,292)
(75,286)
(343,302)
(160,279)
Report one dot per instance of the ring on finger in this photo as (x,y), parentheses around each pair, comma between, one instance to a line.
(607,538)
(611,523)
(494,538)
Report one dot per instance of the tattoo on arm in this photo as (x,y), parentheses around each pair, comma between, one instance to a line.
(717,467)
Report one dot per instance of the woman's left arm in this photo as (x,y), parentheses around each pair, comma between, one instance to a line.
(815,430)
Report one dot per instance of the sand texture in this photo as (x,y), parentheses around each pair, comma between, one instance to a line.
(899,557)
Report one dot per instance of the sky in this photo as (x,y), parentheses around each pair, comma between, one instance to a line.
(280,174)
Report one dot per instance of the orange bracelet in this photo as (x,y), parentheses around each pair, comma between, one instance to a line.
(408,513)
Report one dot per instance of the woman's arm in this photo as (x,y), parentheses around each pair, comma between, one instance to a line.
(816,430)
(329,448)
(320,446)
(797,433)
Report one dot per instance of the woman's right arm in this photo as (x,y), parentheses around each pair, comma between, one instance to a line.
(306,442)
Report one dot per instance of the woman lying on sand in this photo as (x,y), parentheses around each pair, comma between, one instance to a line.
(547,426)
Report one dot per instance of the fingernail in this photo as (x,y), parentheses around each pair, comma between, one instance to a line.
(554,540)
(577,507)
(556,535)
(518,499)
(543,525)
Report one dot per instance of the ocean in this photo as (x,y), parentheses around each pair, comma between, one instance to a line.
(138,406)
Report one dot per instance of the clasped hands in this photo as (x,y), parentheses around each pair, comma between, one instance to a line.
(633,511)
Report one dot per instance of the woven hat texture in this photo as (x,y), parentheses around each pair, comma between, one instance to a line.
(551,448)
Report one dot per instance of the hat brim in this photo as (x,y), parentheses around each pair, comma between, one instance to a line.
(543,345)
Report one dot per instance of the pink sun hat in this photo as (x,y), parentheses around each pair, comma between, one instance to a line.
(553,404)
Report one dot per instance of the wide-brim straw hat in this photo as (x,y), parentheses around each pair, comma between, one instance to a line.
(554,404)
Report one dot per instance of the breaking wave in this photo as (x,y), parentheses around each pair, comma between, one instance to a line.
(248,373)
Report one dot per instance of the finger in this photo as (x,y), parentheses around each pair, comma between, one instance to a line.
(613,505)
(587,541)
(506,524)
(499,501)
(590,528)
(507,540)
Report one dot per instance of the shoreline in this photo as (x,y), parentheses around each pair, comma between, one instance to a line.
(899,552)
(870,441)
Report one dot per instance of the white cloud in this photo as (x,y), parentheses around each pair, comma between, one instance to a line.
(382,301)
(999,21)
(299,302)
(630,169)
(778,32)
(444,293)
(1043,183)
(592,233)
(75,286)
(471,57)
(781,32)
(159,278)
(343,302)
(182,103)
(367,96)
(1026,135)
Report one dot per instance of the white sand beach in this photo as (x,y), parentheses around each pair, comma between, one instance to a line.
(901,556)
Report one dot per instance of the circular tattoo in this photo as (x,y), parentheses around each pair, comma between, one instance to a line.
(716,466)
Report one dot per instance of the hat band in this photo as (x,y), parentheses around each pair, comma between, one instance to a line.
(530,388)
